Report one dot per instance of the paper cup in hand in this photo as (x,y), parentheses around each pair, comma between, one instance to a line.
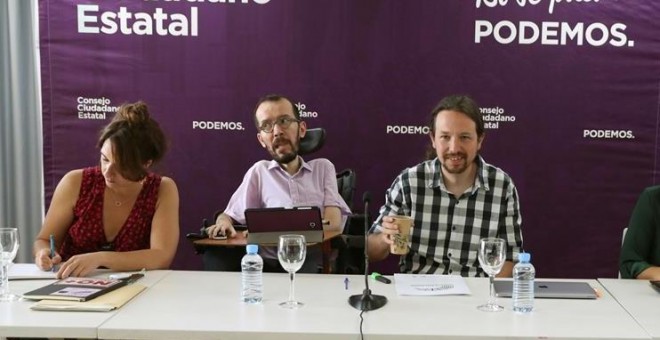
(400,245)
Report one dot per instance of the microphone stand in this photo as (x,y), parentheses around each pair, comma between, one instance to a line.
(366,301)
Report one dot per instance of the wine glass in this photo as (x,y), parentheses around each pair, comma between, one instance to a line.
(291,251)
(8,250)
(492,253)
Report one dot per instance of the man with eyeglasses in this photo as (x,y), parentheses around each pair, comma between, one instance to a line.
(285,181)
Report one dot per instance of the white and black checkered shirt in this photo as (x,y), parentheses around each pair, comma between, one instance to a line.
(446,232)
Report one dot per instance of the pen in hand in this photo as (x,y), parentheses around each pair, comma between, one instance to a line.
(52,251)
(52,245)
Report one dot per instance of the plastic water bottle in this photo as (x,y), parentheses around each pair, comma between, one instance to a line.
(523,284)
(252,267)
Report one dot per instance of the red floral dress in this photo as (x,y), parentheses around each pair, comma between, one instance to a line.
(86,234)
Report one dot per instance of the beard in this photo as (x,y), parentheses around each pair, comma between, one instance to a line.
(453,168)
(286,157)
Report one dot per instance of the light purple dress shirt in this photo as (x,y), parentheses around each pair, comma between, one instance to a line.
(267,185)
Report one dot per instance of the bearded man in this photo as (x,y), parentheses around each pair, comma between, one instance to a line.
(285,181)
(454,199)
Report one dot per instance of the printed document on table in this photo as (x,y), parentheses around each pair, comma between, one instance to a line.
(29,271)
(424,284)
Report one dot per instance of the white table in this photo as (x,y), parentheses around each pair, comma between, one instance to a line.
(18,320)
(639,299)
(206,305)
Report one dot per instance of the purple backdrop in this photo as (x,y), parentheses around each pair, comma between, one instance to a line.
(571,91)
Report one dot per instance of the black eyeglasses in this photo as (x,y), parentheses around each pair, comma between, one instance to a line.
(284,122)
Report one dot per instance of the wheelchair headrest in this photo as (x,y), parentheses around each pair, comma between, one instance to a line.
(313,141)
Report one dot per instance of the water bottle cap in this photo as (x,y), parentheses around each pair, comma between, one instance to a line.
(524,257)
(252,248)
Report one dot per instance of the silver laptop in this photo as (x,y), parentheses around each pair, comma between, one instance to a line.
(265,225)
(550,290)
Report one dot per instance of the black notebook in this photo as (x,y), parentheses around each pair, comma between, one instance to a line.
(76,289)
(265,225)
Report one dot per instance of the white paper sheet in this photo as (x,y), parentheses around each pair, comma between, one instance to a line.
(423,284)
(28,271)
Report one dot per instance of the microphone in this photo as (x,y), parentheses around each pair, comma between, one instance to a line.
(366,301)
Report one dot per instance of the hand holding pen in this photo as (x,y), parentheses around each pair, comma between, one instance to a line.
(47,258)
